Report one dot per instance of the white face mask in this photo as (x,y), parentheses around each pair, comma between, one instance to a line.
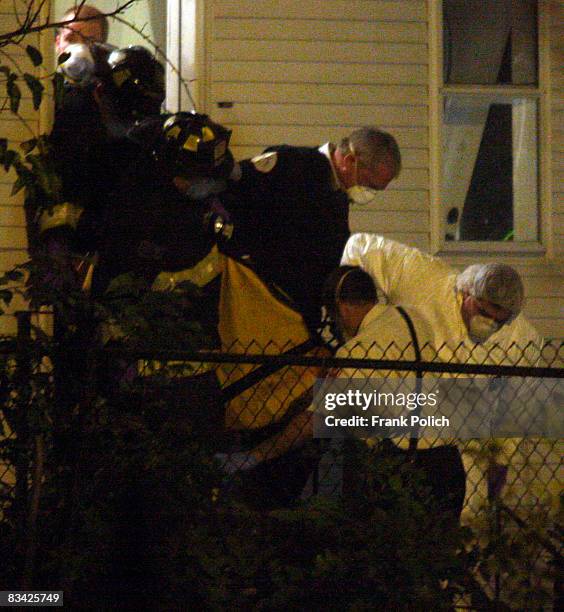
(201,188)
(360,195)
(79,67)
(481,328)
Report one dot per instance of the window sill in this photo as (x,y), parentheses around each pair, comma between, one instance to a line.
(532,248)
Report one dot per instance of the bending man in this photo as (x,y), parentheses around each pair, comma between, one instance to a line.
(291,208)
(372,331)
(475,314)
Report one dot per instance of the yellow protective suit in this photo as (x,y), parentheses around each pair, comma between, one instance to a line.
(409,277)
(253,320)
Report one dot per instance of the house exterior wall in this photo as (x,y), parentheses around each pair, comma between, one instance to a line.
(13,240)
(307,72)
(557,116)
(303,72)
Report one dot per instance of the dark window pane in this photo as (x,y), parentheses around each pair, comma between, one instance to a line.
(490,161)
(488,208)
(488,39)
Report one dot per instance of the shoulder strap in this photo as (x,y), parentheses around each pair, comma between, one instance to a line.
(419,373)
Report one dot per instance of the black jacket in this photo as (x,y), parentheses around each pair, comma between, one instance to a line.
(292,222)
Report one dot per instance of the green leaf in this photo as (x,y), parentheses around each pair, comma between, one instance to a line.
(42,144)
(44,174)
(14,93)
(10,158)
(17,186)
(5,70)
(54,185)
(6,296)
(14,275)
(37,163)
(28,145)
(396,483)
(58,88)
(63,57)
(126,285)
(24,173)
(36,89)
(34,55)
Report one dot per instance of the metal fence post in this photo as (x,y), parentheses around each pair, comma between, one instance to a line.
(21,426)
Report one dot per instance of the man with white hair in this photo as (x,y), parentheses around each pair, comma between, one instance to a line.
(288,194)
(492,297)
(475,314)
(476,319)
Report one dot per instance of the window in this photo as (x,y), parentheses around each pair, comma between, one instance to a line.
(488,108)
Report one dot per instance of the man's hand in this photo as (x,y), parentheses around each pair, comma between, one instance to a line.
(236,462)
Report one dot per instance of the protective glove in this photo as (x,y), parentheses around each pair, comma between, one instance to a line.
(236,462)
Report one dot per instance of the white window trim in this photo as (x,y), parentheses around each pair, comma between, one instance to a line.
(187,49)
(542,248)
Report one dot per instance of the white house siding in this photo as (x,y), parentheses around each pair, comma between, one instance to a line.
(557,92)
(303,72)
(544,280)
(13,242)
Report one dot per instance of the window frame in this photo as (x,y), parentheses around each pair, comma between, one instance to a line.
(186,48)
(437,90)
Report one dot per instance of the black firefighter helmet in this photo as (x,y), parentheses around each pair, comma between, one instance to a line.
(192,144)
(137,80)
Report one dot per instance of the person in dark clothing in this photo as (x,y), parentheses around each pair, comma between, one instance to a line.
(88,141)
(290,209)
(160,235)
(87,150)
(165,199)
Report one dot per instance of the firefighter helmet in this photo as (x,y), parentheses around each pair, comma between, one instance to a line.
(194,145)
(137,80)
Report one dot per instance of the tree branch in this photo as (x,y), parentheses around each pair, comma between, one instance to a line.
(162,55)
(29,29)
(16,13)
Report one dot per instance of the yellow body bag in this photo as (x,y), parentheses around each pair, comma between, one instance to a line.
(254,321)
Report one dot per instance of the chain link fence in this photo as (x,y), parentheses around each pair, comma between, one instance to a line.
(257,406)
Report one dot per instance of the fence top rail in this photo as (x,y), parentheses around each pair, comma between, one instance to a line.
(338,362)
